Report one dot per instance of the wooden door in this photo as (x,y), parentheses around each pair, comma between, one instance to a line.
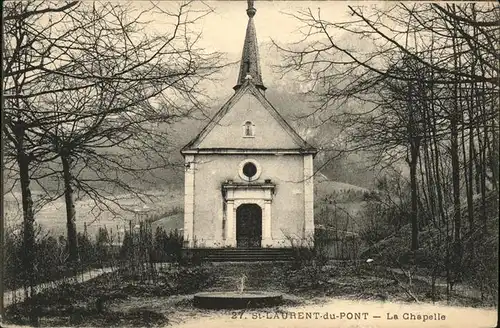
(248,226)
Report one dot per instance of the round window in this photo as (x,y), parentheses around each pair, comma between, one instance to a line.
(249,169)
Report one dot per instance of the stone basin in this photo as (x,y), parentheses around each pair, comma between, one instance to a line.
(236,300)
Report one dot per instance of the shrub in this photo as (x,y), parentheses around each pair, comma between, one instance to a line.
(309,251)
(87,251)
(168,246)
(143,246)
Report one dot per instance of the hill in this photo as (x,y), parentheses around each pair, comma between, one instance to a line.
(338,205)
(324,186)
(170,223)
(52,217)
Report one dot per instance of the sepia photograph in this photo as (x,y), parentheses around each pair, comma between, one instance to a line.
(241,163)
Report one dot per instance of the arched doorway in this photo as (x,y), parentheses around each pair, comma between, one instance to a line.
(248,226)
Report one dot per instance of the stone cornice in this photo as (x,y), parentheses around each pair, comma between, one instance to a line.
(246,151)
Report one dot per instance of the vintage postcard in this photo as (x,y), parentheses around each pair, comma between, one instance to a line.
(249,164)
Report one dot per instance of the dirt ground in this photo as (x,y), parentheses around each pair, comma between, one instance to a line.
(332,296)
(345,316)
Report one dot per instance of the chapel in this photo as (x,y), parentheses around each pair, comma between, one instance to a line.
(248,174)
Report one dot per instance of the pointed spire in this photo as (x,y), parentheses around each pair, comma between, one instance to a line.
(250,61)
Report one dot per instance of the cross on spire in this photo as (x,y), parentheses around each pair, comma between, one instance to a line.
(251,10)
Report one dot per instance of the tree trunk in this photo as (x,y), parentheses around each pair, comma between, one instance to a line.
(424,183)
(28,219)
(437,167)
(70,210)
(484,214)
(468,163)
(495,153)
(475,158)
(455,159)
(455,165)
(414,195)
(430,182)
(482,154)
(28,255)
(23,161)
(415,93)
(470,171)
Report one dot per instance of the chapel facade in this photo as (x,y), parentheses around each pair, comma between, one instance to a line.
(248,174)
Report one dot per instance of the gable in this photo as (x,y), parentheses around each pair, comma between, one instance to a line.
(227,128)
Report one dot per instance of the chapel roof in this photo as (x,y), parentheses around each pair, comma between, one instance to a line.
(250,82)
(249,87)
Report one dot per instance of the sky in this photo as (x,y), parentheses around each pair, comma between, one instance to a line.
(224,29)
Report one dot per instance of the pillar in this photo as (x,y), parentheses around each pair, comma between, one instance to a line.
(266,224)
(308,196)
(230,224)
(189,201)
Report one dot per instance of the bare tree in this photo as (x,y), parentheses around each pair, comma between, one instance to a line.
(15,73)
(89,88)
(416,79)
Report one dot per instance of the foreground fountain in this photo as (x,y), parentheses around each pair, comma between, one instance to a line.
(237,300)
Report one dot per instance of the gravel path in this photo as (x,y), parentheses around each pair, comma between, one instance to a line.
(343,314)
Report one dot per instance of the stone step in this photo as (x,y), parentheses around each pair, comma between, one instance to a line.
(245,255)
(249,250)
(248,253)
(246,259)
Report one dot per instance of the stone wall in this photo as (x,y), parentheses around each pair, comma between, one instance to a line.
(286,172)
